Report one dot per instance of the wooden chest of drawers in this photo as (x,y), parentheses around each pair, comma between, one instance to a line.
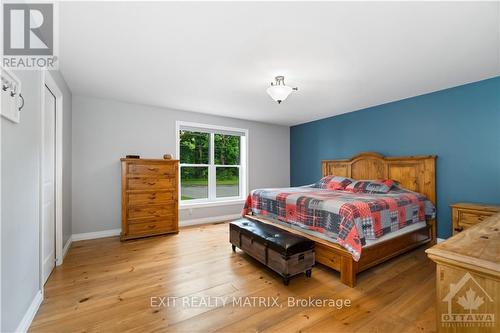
(465,215)
(468,279)
(149,197)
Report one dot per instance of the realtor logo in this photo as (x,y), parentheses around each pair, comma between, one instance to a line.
(466,302)
(28,36)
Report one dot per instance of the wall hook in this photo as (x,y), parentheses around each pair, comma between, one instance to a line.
(22,99)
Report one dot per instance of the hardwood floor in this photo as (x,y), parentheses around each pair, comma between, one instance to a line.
(105,285)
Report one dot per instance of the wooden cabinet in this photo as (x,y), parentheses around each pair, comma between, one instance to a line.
(149,197)
(468,279)
(465,215)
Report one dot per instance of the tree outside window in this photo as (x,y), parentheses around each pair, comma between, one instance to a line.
(210,164)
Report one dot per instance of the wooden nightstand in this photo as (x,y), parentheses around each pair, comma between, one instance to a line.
(465,215)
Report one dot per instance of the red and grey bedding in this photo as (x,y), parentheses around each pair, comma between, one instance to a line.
(350,215)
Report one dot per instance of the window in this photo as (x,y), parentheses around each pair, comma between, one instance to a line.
(212,163)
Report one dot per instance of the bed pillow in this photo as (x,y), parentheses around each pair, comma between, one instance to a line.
(333,183)
(389,182)
(370,186)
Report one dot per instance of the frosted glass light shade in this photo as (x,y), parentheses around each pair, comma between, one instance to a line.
(279,92)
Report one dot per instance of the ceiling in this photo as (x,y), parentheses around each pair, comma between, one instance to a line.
(219,58)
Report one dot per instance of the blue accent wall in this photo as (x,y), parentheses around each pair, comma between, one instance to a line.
(460,125)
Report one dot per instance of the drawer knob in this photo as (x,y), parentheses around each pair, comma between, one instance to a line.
(459,229)
(151,226)
(151,183)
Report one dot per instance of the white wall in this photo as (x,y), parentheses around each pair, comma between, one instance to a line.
(20,206)
(20,161)
(105,130)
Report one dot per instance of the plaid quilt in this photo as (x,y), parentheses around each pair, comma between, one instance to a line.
(347,217)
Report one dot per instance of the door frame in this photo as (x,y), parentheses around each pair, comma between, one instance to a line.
(48,80)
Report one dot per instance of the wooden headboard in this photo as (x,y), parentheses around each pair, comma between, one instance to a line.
(416,173)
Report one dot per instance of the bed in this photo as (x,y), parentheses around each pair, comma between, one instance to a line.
(405,221)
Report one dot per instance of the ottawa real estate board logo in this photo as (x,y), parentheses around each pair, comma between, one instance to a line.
(467,305)
(29,36)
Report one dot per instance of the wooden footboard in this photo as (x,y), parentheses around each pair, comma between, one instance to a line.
(340,260)
(334,256)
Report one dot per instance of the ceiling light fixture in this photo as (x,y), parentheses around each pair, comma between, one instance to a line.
(278,90)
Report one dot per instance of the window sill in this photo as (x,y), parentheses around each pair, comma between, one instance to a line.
(211,204)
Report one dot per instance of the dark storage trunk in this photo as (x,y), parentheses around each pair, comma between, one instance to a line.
(286,253)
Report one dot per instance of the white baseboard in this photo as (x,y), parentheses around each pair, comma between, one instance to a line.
(439,240)
(65,249)
(25,323)
(67,246)
(96,234)
(206,220)
(183,223)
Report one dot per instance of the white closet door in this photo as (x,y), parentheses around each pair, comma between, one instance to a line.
(48,177)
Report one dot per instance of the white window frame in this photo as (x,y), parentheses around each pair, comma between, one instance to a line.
(212,199)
